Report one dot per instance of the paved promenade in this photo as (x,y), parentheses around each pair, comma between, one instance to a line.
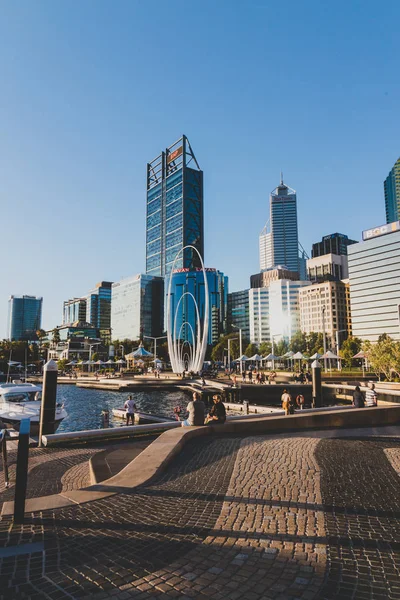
(263,517)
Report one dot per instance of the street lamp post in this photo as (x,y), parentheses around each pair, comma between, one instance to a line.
(272,348)
(160,337)
(240,346)
(337,344)
(229,352)
(324,334)
(90,354)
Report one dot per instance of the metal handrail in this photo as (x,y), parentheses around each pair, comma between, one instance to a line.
(3,445)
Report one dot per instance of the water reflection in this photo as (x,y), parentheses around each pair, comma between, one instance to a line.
(84,406)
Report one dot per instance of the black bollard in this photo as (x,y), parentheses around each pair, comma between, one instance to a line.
(316,384)
(49,400)
(22,470)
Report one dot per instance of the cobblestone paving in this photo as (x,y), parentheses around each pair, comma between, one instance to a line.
(361,492)
(50,472)
(254,518)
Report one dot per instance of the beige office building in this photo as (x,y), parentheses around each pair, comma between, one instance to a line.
(326,305)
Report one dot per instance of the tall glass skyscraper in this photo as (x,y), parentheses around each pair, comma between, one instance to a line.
(279,242)
(174,216)
(24,317)
(392,193)
(98,306)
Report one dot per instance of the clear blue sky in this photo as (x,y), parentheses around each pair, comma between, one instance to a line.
(92,90)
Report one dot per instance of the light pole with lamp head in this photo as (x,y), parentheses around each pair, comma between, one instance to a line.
(240,346)
(273,349)
(337,343)
(324,334)
(229,352)
(160,337)
(90,353)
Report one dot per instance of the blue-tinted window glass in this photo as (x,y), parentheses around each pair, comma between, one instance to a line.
(154,219)
(154,233)
(174,193)
(171,254)
(153,261)
(154,192)
(174,223)
(174,179)
(154,206)
(153,247)
(174,238)
(174,208)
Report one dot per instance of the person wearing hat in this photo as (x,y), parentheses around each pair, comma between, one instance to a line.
(217,413)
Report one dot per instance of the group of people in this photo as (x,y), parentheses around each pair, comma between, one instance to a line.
(196,412)
(258,376)
(370,398)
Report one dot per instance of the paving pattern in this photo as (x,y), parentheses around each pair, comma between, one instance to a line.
(254,518)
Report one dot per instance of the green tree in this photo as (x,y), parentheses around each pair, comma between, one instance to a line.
(383,356)
(219,349)
(349,348)
(298,343)
(251,349)
(265,348)
(95,356)
(55,335)
(281,347)
(61,364)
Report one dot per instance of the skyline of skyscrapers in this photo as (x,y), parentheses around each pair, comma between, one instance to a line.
(391,187)
(174,210)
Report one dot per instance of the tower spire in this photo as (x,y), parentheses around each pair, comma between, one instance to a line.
(281,177)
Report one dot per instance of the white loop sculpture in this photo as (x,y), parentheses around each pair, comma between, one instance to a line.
(181,359)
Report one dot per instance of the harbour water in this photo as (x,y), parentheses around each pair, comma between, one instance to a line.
(84,406)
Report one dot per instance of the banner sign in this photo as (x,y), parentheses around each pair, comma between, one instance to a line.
(382,230)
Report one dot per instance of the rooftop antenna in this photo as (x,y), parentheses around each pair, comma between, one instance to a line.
(281,177)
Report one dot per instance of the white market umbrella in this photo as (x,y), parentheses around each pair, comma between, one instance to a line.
(242,358)
(256,357)
(272,357)
(99,362)
(120,362)
(360,354)
(331,355)
(109,362)
(70,364)
(288,354)
(316,356)
(298,356)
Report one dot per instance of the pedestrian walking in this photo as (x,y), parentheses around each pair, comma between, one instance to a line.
(358,398)
(371,397)
(286,399)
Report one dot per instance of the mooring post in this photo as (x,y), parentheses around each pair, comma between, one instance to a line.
(3,442)
(21,478)
(316,384)
(49,400)
(105,418)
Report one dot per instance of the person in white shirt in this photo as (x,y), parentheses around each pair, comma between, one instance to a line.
(130,407)
(371,397)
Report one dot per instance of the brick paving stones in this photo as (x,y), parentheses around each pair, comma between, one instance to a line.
(252,518)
